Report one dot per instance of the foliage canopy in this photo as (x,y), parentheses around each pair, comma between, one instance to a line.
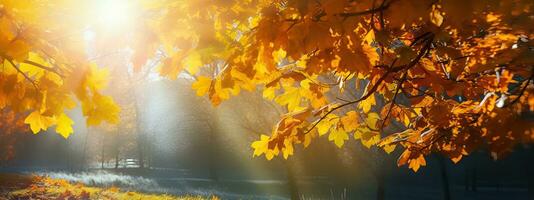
(454,75)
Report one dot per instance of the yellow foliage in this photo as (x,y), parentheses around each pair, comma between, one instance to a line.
(436,63)
(339,136)
(48,188)
(38,122)
(202,85)
(64,125)
(350,121)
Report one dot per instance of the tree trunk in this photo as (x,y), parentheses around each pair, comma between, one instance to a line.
(213,148)
(474,179)
(530,183)
(380,188)
(466,179)
(103,153)
(140,137)
(140,149)
(83,163)
(529,171)
(117,159)
(291,180)
(444,178)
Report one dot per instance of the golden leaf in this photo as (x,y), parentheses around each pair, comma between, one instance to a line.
(64,125)
(38,122)
(339,136)
(202,85)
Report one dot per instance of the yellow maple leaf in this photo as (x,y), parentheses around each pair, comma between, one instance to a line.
(369,37)
(279,55)
(367,137)
(350,121)
(269,93)
(302,62)
(291,97)
(64,125)
(261,145)
(371,53)
(339,136)
(415,164)
(271,153)
(366,104)
(308,138)
(32,70)
(97,78)
(193,62)
(38,122)
(100,108)
(324,126)
(372,120)
(288,148)
(389,148)
(202,85)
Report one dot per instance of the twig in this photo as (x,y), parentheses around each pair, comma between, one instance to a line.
(23,74)
(423,52)
(527,82)
(371,11)
(398,88)
(43,67)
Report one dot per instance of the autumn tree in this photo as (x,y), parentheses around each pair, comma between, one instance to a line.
(456,74)
(44,73)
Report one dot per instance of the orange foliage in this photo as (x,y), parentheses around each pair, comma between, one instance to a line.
(454,75)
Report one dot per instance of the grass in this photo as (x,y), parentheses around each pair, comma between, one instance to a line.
(14,186)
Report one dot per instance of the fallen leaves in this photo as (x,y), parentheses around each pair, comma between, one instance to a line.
(48,188)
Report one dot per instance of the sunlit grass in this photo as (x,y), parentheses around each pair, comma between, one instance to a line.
(39,187)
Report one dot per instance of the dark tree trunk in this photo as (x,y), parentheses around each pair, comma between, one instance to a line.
(141,154)
(213,157)
(291,180)
(117,159)
(102,153)
(530,183)
(380,188)
(466,179)
(83,163)
(213,142)
(529,171)
(474,179)
(444,178)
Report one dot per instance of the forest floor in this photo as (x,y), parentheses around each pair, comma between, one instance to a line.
(15,186)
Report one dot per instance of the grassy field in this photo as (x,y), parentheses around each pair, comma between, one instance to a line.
(14,186)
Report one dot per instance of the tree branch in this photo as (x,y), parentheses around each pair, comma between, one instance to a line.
(527,82)
(422,52)
(23,74)
(399,86)
(43,67)
(367,12)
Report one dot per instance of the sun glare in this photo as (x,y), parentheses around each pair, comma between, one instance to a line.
(114,14)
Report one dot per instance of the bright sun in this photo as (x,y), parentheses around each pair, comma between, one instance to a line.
(113,14)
